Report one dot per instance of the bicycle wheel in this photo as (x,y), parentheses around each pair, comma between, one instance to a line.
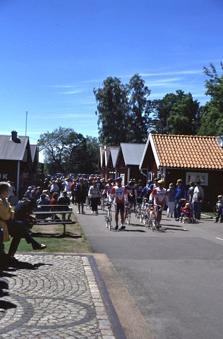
(128,219)
(109,225)
(106,221)
(154,225)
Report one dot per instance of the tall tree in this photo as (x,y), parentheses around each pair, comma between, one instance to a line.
(212,111)
(112,111)
(139,109)
(177,113)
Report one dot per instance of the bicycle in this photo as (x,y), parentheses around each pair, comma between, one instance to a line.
(158,214)
(143,216)
(108,216)
(128,211)
(138,210)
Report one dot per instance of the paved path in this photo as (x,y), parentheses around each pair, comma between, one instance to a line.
(175,277)
(64,297)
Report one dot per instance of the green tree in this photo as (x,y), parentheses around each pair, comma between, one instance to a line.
(139,109)
(58,146)
(177,113)
(112,111)
(212,111)
(85,156)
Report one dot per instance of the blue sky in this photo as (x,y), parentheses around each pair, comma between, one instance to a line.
(54,52)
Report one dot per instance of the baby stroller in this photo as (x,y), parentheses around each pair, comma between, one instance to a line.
(186,214)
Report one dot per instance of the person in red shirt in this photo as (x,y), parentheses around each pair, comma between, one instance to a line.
(119,195)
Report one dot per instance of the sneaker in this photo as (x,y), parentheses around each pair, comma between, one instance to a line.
(122,228)
(37,247)
(116,227)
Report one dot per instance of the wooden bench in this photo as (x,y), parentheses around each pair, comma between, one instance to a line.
(53,215)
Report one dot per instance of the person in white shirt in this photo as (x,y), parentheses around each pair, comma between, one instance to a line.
(197,199)
(160,199)
(119,195)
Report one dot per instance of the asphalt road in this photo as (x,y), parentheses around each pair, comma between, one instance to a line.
(175,277)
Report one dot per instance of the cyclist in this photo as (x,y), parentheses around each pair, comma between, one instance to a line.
(139,190)
(159,199)
(132,193)
(131,190)
(107,189)
(120,197)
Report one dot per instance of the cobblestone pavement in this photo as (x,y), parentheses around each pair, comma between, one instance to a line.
(63,298)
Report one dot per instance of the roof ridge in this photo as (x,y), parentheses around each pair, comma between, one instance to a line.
(186,135)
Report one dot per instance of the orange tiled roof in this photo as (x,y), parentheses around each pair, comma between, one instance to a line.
(188,151)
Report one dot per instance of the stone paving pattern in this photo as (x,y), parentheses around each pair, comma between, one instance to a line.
(60,299)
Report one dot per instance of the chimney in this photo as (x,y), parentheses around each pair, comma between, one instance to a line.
(15,138)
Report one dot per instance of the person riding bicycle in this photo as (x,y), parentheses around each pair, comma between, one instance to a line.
(139,190)
(131,191)
(120,197)
(159,199)
(107,189)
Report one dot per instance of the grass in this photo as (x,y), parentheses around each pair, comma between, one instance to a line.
(51,235)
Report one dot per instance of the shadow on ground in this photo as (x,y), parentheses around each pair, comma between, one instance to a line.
(56,235)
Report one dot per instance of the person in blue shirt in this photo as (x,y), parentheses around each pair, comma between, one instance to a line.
(147,190)
(180,196)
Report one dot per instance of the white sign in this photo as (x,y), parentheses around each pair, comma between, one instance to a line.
(197,176)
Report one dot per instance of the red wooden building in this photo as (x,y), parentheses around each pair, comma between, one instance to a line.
(191,158)
(18,160)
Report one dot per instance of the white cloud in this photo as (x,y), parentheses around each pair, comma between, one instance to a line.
(68,89)
(61,86)
(163,82)
(91,81)
(73,92)
(180,72)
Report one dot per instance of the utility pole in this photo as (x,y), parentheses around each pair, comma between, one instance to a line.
(26,123)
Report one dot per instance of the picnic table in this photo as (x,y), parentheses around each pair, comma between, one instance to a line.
(54,215)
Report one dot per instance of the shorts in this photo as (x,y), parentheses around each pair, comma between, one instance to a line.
(120,208)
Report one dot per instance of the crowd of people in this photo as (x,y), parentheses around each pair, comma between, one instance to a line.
(180,201)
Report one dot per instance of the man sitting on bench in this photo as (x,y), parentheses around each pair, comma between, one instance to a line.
(20,226)
(16,223)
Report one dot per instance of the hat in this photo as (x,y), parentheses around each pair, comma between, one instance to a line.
(119,179)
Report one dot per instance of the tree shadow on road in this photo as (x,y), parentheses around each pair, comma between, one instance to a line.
(56,235)
(174,227)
